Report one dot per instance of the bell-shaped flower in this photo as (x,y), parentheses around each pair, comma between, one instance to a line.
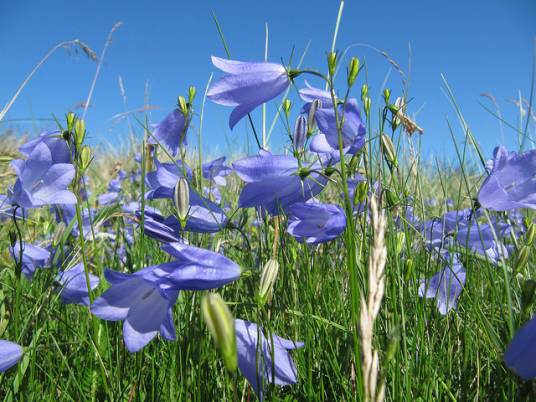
(445,286)
(143,300)
(511,183)
(161,182)
(273,182)
(33,257)
(520,355)
(73,286)
(10,354)
(171,132)
(54,141)
(215,171)
(41,181)
(313,222)
(258,369)
(247,85)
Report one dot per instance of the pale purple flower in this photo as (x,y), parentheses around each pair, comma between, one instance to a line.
(73,289)
(247,85)
(520,355)
(258,368)
(59,148)
(445,286)
(215,171)
(511,183)
(41,181)
(33,257)
(10,354)
(313,222)
(171,132)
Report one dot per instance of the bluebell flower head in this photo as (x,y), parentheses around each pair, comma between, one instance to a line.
(511,183)
(313,222)
(41,181)
(258,369)
(33,257)
(73,289)
(10,354)
(161,182)
(445,286)
(59,149)
(520,355)
(273,183)
(215,171)
(171,132)
(247,85)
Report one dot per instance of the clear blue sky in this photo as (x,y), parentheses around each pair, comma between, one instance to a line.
(481,46)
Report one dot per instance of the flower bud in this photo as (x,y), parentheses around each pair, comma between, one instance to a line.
(388,149)
(392,198)
(268,278)
(300,132)
(332,63)
(71,118)
(220,324)
(191,94)
(366,105)
(183,106)
(85,157)
(361,193)
(181,199)
(522,257)
(353,70)
(408,269)
(315,105)
(386,95)
(364,92)
(12,238)
(287,104)
(531,233)
(400,239)
(79,132)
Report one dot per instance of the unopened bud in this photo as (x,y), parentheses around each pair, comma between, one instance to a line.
(364,92)
(220,324)
(315,105)
(268,278)
(79,131)
(388,149)
(531,233)
(71,117)
(191,94)
(183,106)
(400,240)
(408,269)
(85,157)
(12,238)
(300,133)
(522,257)
(528,291)
(332,63)
(386,95)
(287,104)
(58,234)
(353,70)
(361,193)
(392,198)
(181,199)
(366,105)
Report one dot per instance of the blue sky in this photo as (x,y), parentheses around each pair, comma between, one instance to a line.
(480,46)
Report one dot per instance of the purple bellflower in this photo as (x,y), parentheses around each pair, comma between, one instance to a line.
(247,85)
(162,181)
(171,132)
(59,149)
(33,257)
(520,355)
(313,222)
(258,369)
(445,286)
(41,181)
(511,183)
(10,354)
(215,171)
(73,288)
(143,300)
(272,182)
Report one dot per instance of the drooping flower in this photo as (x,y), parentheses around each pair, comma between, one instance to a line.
(445,286)
(33,257)
(215,171)
(273,182)
(511,183)
(520,355)
(258,369)
(73,289)
(171,132)
(247,85)
(10,354)
(143,300)
(41,181)
(161,182)
(313,222)
(59,149)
